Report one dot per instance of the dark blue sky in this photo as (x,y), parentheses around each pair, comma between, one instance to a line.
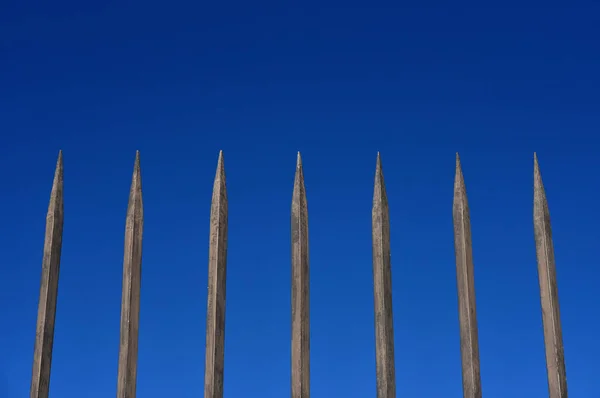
(338,81)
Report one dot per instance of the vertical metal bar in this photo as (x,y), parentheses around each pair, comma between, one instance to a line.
(382,286)
(217,272)
(44,334)
(130,302)
(469,340)
(544,248)
(300,289)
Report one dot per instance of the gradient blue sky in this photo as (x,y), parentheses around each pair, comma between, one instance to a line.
(338,81)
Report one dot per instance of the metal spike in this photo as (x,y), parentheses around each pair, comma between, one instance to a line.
(217,272)
(555,359)
(300,289)
(469,341)
(44,334)
(382,283)
(130,304)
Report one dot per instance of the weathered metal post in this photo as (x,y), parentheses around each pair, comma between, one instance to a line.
(469,340)
(300,289)
(217,272)
(44,332)
(382,286)
(544,248)
(130,301)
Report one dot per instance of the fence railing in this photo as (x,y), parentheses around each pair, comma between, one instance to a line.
(300,366)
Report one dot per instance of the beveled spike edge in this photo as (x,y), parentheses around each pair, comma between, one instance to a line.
(130,301)
(469,340)
(300,383)
(382,287)
(217,272)
(44,338)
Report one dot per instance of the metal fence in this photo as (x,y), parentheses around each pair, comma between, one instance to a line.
(300,366)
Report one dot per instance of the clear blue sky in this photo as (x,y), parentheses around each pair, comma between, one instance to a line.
(338,81)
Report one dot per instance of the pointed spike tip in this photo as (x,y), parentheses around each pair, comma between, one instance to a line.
(220,168)
(379,193)
(137,174)
(459,180)
(58,172)
(299,174)
(59,162)
(136,169)
(537,174)
(458,166)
